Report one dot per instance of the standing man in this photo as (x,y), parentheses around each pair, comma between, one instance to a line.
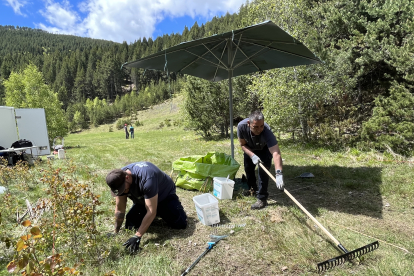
(131,129)
(259,144)
(126,131)
(153,194)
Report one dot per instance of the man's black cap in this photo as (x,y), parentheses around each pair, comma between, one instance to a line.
(116,181)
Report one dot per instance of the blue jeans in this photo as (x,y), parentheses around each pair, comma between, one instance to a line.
(249,168)
(170,210)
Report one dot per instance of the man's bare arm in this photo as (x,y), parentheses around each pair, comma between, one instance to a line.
(120,212)
(151,206)
(277,157)
(246,149)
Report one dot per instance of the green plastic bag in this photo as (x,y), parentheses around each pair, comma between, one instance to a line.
(196,170)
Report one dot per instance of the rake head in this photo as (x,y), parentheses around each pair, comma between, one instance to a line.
(347,256)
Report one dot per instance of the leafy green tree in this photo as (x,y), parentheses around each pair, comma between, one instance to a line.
(28,90)
(365,47)
(207,104)
(392,122)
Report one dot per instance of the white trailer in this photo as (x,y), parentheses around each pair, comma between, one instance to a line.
(24,123)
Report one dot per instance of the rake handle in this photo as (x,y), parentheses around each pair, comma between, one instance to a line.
(303,209)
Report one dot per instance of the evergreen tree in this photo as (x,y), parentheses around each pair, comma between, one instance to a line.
(392,123)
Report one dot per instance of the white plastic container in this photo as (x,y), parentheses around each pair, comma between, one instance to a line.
(61,154)
(223,188)
(207,209)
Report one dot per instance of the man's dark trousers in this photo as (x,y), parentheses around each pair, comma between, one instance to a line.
(170,210)
(261,189)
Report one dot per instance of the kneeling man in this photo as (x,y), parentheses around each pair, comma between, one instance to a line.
(153,194)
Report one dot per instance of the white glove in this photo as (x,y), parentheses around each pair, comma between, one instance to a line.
(279,181)
(255,159)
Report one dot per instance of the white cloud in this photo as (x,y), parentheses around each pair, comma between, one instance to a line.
(60,16)
(127,20)
(16,5)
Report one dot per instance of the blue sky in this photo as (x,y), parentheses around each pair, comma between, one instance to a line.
(115,20)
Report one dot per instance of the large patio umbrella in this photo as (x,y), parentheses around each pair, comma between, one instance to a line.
(223,56)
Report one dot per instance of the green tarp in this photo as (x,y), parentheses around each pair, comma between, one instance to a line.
(196,170)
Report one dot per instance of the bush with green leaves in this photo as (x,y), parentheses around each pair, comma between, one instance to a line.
(392,122)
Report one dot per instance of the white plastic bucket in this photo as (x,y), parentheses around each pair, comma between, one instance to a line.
(207,209)
(223,188)
(61,154)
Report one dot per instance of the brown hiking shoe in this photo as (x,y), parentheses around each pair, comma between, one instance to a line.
(259,204)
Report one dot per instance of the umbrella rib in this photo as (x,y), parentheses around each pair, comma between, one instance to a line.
(218,65)
(200,57)
(245,56)
(237,47)
(219,59)
(222,53)
(255,54)
(275,49)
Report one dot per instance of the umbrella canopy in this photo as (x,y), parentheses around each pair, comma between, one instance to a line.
(252,49)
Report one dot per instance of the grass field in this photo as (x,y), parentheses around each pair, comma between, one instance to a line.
(360,197)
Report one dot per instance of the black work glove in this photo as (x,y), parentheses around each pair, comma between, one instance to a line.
(132,244)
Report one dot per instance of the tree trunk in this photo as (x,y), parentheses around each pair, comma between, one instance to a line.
(303,122)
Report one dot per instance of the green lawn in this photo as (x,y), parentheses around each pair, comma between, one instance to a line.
(359,197)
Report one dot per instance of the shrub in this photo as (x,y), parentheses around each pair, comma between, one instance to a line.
(167,122)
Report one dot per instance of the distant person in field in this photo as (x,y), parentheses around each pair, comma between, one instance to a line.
(131,130)
(126,131)
(153,194)
(259,144)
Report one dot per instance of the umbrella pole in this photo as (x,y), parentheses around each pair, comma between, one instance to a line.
(231,113)
(230,70)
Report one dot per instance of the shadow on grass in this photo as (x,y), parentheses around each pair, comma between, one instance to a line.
(347,190)
(165,233)
(73,147)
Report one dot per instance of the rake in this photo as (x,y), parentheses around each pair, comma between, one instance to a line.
(213,240)
(349,255)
